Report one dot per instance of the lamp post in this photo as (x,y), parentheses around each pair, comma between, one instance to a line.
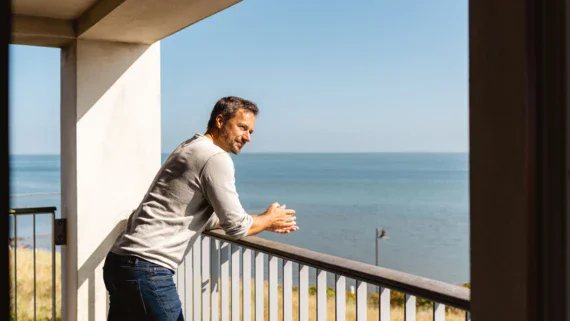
(380,235)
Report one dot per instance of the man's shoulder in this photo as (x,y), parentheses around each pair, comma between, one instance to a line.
(202,150)
(198,145)
(218,166)
(221,159)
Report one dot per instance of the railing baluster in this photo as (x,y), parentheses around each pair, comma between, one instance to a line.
(180,284)
(246,295)
(273,305)
(235,282)
(34,242)
(287,290)
(384,304)
(259,287)
(15,267)
(176,274)
(303,292)
(186,278)
(340,298)
(197,279)
(215,287)
(361,300)
(53,267)
(438,312)
(321,295)
(206,280)
(225,258)
(410,308)
(320,262)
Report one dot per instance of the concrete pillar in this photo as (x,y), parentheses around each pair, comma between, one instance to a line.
(110,152)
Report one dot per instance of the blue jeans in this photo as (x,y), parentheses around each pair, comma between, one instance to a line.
(140,290)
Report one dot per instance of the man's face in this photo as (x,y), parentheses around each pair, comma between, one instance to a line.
(236,132)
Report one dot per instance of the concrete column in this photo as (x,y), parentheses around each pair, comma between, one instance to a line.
(110,152)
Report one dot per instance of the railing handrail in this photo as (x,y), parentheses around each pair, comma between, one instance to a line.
(32,210)
(441,292)
(34,194)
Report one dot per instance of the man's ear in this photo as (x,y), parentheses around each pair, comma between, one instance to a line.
(220,121)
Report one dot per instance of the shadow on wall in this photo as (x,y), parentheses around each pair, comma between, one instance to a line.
(87,271)
(116,59)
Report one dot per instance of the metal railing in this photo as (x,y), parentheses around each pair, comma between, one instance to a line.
(14,245)
(34,194)
(203,283)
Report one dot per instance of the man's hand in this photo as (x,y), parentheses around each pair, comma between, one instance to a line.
(284,229)
(277,218)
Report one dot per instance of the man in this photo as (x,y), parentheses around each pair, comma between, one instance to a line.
(193,191)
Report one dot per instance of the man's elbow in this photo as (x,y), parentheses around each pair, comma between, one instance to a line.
(213,226)
(237,231)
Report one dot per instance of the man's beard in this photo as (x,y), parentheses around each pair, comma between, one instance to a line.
(230,142)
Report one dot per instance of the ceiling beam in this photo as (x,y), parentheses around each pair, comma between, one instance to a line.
(144,21)
(95,14)
(40,31)
(130,21)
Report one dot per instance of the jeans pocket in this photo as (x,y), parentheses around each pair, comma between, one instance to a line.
(160,274)
(164,289)
(131,294)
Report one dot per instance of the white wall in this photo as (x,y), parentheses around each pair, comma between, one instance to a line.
(110,148)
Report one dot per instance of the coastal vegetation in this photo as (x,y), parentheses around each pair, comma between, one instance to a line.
(25,292)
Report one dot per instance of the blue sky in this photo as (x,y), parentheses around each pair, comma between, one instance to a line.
(328,76)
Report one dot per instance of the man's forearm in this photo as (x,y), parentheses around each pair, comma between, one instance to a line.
(260,223)
(276,218)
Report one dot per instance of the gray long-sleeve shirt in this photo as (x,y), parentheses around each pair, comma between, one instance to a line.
(193,189)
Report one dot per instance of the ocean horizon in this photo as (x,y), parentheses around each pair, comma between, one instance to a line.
(421,198)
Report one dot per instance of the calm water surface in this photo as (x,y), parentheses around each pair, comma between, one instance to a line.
(421,199)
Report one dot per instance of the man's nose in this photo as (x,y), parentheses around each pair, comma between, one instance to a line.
(247,137)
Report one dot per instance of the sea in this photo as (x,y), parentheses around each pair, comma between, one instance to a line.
(420,199)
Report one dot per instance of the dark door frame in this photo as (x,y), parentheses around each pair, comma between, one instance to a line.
(519,159)
(5,171)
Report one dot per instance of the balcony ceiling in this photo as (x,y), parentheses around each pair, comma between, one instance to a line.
(55,23)
(59,9)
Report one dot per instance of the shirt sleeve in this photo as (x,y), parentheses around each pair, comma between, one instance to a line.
(211,224)
(218,183)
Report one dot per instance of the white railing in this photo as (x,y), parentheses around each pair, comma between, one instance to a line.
(213,266)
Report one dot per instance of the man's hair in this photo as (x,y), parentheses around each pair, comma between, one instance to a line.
(228,107)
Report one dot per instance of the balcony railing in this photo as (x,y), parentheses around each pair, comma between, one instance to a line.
(30,268)
(218,264)
(205,277)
